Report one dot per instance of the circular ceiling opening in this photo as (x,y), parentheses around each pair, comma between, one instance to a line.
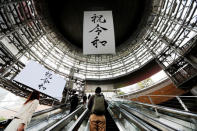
(67,16)
(64,23)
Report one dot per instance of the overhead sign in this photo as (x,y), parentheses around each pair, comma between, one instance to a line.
(98,33)
(41,79)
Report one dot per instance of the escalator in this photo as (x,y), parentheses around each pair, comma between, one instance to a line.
(110,124)
(79,120)
(121,115)
(157,117)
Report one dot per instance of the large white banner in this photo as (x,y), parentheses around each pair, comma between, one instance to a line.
(98,33)
(41,79)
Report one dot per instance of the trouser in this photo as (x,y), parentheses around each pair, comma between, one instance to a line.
(72,108)
(97,123)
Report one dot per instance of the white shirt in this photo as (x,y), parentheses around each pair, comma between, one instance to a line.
(27,110)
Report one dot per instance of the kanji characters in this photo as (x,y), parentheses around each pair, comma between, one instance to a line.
(98,29)
(46,80)
(98,18)
(96,41)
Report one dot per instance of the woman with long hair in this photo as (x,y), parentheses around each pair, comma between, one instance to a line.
(23,117)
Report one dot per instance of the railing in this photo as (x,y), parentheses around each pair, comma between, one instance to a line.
(143,89)
(134,120)
(36,113)
(187,103)
(148,119)
(167,109)
(50,109)
(158,115)
(63,122)
(46,115)
(77,124)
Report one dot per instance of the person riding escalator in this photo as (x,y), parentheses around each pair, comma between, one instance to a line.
(98,106)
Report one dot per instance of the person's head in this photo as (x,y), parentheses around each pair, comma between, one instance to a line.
(74,92)
(76,95)
(34,95)
(98,90)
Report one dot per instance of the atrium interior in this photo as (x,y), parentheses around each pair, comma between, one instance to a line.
(150,83)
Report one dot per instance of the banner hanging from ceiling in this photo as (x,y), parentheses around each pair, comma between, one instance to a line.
(98,33)
(41,79)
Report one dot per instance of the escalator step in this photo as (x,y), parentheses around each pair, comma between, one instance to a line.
(110,124)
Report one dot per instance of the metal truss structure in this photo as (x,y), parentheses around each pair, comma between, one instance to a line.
(169,33)
(179,40)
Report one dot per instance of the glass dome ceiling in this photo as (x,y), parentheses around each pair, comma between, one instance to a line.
(27,35)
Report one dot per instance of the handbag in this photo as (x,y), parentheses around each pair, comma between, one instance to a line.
(4,124)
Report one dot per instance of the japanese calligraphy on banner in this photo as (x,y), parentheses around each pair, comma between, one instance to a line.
(41,79)
(98,33)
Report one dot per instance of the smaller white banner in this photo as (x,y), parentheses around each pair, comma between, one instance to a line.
(41,79)
(98,33)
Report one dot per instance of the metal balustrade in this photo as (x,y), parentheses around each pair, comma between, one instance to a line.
(162,117)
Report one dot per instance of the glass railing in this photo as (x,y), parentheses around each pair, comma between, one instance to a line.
(174,118)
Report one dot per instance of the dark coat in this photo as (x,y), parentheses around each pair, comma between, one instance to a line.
(73,102)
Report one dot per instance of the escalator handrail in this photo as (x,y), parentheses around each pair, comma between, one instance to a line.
(136,121)
(77,124)
(168,109)
(64,119)
(38,113)
(67,105)
(50,109)
(160,124)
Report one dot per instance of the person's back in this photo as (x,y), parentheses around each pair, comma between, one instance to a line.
(84,99)
(73,102)
(97,105)
(89,96)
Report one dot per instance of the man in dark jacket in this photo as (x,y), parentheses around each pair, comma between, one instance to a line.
(73,102)
(84,99)
(98,106)
(89,96)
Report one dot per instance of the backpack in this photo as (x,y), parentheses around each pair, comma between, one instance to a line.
(98,107)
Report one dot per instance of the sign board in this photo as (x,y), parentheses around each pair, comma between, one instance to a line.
(98,33)
(41,79)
